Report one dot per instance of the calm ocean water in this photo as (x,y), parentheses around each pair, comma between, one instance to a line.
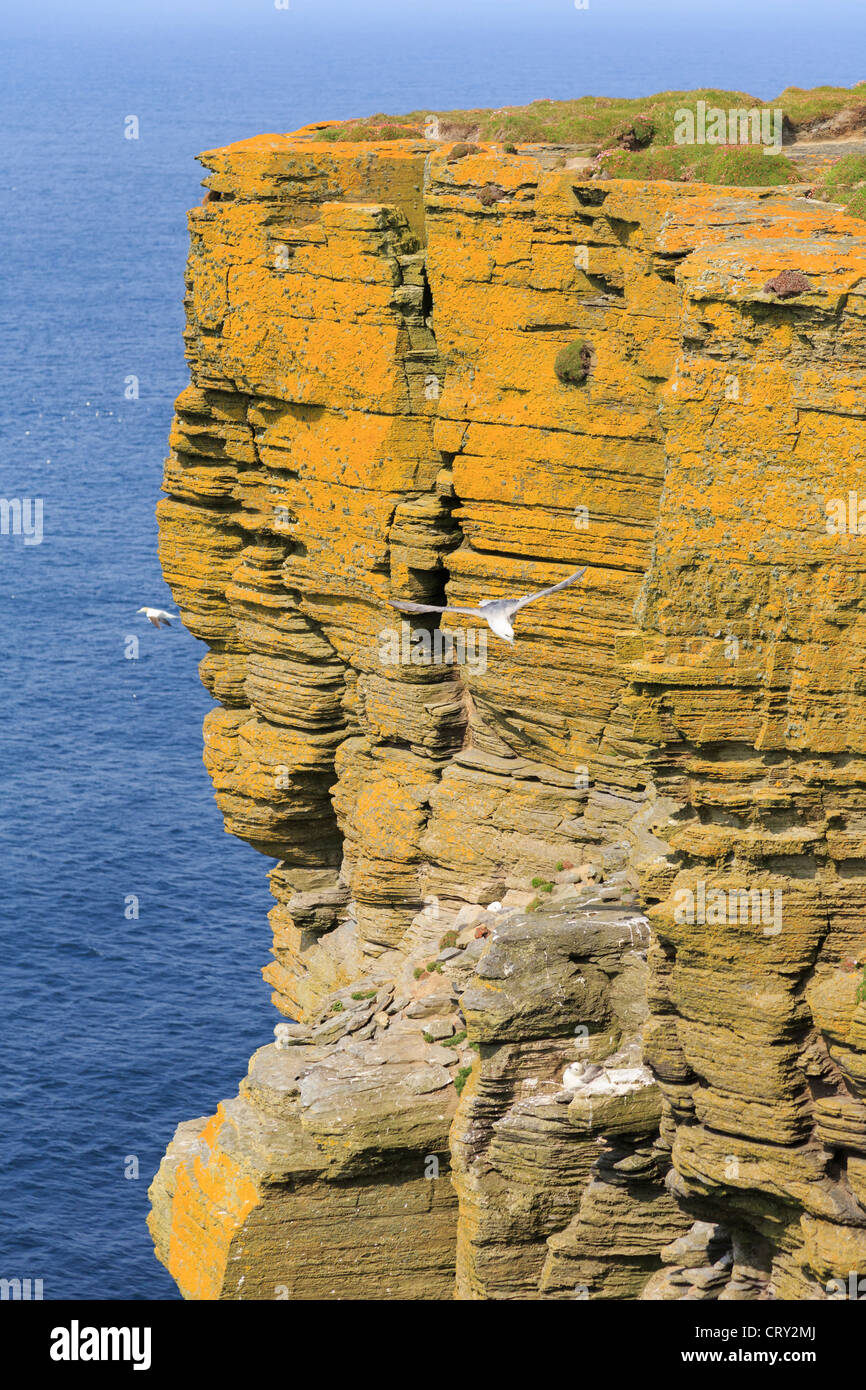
(116,1027)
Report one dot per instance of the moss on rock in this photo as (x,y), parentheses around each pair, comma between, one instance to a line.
(573,363)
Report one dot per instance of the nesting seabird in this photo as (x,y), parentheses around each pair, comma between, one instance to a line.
(498,613)
(158,616)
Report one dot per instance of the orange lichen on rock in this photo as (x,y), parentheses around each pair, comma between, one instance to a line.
(375,413)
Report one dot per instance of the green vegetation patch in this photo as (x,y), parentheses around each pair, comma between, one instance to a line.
(461,1078)
(373,129)
(845,182)
(636,138)
(739,165)
(572,366)
(599,122)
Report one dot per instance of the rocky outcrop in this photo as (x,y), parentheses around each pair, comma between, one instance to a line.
(557,1163)
(535,1111)
(333,1174)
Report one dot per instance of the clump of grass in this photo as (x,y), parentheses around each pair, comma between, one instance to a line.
(375,128)
(672,162)
(434,966)
(856,204)
(559,866)
(461,1078)
(419,972)
(337,1007)
(461,150)
(365,994)
(747,166)
(542,885)
(634,134)
(573,363)
(845,182)
(457,1039)
(448,940)
(847,172)
(737,165)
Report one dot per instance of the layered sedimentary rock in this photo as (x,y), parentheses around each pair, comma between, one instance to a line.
(747,673)
(375,413)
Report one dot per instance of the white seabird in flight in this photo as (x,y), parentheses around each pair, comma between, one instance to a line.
(496,612)
(158,616)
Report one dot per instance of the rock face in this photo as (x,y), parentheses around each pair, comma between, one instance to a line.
(560,1097)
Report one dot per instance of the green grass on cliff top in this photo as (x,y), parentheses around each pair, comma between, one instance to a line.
(845,182)
(634,137)
(595,121)
(738,165)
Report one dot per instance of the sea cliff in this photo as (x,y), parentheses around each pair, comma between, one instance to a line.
(571,933)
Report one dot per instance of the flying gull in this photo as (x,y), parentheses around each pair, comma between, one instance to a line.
(496,612)
(157,616)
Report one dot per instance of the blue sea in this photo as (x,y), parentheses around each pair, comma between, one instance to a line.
(115,1026)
